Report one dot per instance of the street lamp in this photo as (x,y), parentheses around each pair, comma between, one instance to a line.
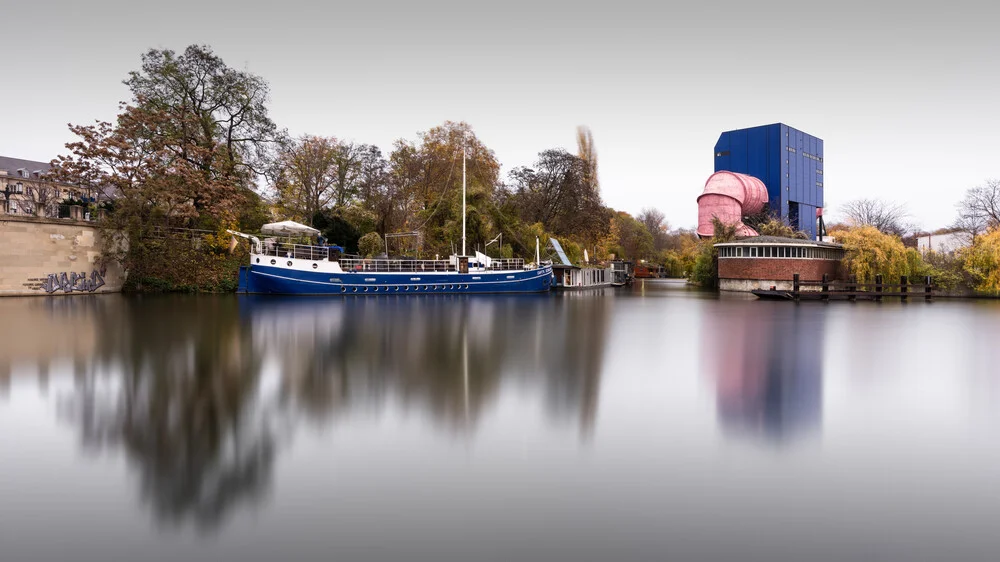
(7,192)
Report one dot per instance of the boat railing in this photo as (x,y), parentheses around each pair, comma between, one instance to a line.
(383,265)
(506,264)
(297,251)
(322,253)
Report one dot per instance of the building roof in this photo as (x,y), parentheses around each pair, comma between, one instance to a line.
(12,165)
(779,240)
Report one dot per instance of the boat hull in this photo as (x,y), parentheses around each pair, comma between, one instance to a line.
(264,279)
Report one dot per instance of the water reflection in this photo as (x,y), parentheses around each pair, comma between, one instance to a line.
(203,393)
(767,363)
(443,356)
(178,397)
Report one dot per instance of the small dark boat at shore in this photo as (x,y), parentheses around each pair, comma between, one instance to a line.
(772,294)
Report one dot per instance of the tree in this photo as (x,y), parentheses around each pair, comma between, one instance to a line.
(634,239)
(982,261)
(383,198)
(370,244)
(654,221)
(778,227)
(556,193)
(428,174)
(587,152)
(184,152)
(887,217)
(705,271)
(305,176)
(217,109)
(979,211)
(868,252)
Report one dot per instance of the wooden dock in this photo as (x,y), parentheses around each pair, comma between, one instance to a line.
(851,290)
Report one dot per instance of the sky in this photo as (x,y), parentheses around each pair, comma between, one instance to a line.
(902,94)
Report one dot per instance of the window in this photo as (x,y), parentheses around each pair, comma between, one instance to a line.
(819,184)
(792,150)
(19,187)
(819,171)
(739,252)
(722,153)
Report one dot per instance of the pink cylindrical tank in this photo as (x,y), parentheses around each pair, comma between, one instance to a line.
(730,196)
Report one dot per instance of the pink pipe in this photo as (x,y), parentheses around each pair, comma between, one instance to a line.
(730,197)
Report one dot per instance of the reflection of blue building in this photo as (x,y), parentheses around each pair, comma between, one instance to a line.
(769,380)
(788,161)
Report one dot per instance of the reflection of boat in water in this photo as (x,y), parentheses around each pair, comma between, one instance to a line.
(294,269)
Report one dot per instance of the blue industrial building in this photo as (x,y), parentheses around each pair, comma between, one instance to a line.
(788,161)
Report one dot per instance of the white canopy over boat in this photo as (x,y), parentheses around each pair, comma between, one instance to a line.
(288,228)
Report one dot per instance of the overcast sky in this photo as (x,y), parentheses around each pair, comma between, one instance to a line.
(903,95)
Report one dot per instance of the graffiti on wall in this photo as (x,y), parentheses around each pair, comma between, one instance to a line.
(74,282)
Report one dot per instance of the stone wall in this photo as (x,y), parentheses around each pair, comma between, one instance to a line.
(43,256)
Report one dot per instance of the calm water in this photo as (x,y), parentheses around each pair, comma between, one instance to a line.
(659,423)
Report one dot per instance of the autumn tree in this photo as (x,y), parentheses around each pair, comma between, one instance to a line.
(304,176)
(654,220)
(218,110)
(981,260)
(587,152)
(868,252)
(428,176)
(634,239)
(556,192)
(185,151)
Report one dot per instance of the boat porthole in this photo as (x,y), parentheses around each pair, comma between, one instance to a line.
(355,289)
(366,289)
(466,286)
(425,287)
(406,288)
(258,260)
(289,262)
(315,265)
(343,289)
(376,289)
(273,262)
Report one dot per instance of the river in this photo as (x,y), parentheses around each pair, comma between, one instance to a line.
(651,423)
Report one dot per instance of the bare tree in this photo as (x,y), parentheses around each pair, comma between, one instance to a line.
(888,217)
(46,200)
(979,211)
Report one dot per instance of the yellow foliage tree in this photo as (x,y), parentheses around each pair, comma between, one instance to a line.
(982,261)
(869,252)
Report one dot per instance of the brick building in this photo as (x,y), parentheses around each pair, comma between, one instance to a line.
(762,262)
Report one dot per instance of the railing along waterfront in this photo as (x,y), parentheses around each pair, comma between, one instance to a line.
(354,263)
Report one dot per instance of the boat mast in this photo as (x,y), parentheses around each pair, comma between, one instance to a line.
(463,195)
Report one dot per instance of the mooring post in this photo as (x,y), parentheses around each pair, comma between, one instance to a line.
(826,287)
(927,288)
(878,288)
(795,286)
(902,286)
(852,288)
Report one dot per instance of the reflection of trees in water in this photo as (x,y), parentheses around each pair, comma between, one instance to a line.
(767,361)
(183,407)
(175,382)
(445,355)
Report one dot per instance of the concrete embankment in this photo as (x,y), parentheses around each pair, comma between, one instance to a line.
(43,256)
